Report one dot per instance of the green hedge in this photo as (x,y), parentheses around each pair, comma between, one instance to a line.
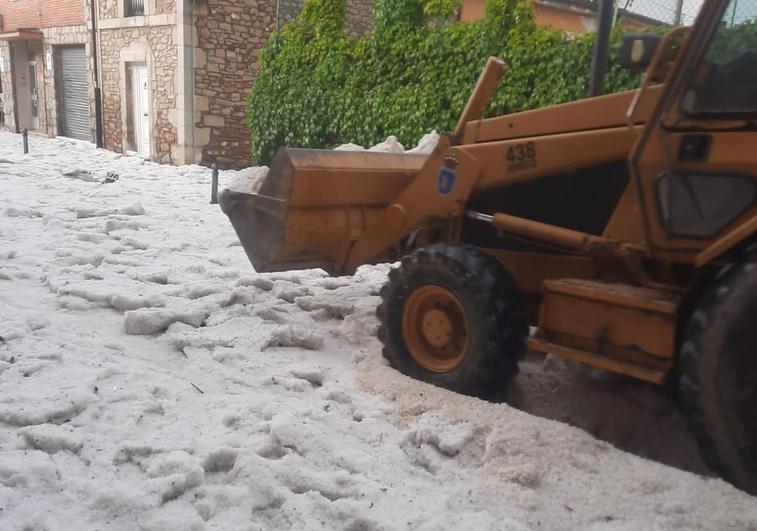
(321,87)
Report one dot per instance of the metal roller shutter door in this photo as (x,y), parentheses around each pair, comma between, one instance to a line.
(75,112)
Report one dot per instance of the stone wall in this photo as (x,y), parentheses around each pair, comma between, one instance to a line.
(287,10)
(230,34)
(160,53)
(359,15)
(164,7)
(108,8)
(359,19)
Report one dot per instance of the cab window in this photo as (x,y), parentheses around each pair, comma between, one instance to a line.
(726,81)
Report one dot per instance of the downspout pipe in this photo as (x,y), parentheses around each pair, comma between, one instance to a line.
(95,71)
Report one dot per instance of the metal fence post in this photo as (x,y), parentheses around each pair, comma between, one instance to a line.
(25,138)
(677,17)
(601,46)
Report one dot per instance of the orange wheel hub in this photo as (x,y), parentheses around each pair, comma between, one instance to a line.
(435,328)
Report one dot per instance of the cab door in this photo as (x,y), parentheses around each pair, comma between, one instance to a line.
(696,162)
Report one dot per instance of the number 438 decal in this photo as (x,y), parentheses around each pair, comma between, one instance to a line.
(521,156)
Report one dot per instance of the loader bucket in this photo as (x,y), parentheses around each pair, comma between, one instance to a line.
(314,204)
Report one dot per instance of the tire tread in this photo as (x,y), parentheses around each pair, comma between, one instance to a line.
(486,285)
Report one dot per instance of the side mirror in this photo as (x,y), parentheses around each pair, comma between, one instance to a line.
(637,50)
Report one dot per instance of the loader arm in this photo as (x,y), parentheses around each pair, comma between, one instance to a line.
(439,193)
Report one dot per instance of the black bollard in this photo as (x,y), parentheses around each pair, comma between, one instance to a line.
(214,186)
(25,138)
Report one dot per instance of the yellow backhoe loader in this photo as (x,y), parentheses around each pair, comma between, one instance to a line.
(622,227)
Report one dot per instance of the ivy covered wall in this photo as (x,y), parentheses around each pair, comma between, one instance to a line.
(319,86)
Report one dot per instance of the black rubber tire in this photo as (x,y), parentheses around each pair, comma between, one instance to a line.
(497,325)
(718,373)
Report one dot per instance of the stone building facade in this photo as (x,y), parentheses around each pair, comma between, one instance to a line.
(230,35)
(173,74)
(153,46)
(199,59)
(33,35)
(144,43)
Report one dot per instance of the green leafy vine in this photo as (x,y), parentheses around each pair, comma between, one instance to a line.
(319,87)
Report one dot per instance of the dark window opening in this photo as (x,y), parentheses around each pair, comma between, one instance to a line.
(135,8)
(701,205)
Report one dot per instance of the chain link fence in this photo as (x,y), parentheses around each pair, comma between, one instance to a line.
(660,12)
(631,13)
(683,12)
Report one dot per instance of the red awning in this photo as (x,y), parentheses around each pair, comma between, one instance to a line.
(21,35)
